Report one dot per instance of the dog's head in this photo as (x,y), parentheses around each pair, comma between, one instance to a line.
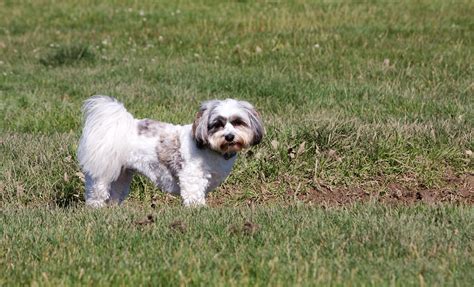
(227,126)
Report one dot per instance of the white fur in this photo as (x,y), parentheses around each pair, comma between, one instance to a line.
(104,143)
(114,145)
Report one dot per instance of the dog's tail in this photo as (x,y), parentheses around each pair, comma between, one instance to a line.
(104,145)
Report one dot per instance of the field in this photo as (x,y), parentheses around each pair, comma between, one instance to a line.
(365,176)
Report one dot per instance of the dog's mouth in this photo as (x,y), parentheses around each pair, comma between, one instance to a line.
(231,147)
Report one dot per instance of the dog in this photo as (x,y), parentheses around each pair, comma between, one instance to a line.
(189,160)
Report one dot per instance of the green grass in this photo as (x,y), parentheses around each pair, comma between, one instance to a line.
(353,95)
(293,245)
(387,86)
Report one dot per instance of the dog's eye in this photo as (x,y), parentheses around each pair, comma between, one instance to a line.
(238,122)
(216,125)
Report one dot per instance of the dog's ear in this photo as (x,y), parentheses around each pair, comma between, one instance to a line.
(256,123)
(200,124)
(200,130)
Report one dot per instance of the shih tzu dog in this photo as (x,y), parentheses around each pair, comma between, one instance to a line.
(189,160)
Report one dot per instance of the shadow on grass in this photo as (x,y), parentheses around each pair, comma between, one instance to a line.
(68,193)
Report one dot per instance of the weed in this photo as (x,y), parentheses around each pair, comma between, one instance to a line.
(68,55)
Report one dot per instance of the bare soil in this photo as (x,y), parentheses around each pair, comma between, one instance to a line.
(454,189)
(458,190)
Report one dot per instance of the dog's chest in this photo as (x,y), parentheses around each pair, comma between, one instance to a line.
(218,172)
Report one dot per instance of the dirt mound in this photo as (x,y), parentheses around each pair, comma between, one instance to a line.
(454,189)
(459,190)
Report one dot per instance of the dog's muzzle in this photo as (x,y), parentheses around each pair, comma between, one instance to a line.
(229,137)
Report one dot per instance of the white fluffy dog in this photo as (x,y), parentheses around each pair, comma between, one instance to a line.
(189,160)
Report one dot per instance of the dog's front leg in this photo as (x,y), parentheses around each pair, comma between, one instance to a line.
(97,192)
(193,190)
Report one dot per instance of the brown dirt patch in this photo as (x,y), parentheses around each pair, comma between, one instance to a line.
(178,226)
(458,190)
(455,190)
(248,228)
(147,220)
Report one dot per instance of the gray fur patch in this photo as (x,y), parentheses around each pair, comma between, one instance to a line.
(150,128)
(168,143)
(168,152)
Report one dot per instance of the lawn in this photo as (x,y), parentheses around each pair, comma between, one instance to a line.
(365,175)
(278,245)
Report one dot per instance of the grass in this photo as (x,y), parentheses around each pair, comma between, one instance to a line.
(387,86)
(67,55)
(292,245)
(353,95)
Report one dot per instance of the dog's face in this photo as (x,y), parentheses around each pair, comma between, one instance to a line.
(227,126)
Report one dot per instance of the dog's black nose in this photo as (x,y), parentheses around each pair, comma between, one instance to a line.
(229,137)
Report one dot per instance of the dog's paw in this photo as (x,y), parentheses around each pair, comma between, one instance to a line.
(194,202)
(95,203)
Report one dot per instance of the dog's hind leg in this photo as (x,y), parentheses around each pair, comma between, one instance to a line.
(120,188)
(97,192)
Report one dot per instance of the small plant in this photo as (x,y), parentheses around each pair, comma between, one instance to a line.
(68,55)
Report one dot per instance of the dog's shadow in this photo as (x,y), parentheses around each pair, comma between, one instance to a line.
(68,193)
